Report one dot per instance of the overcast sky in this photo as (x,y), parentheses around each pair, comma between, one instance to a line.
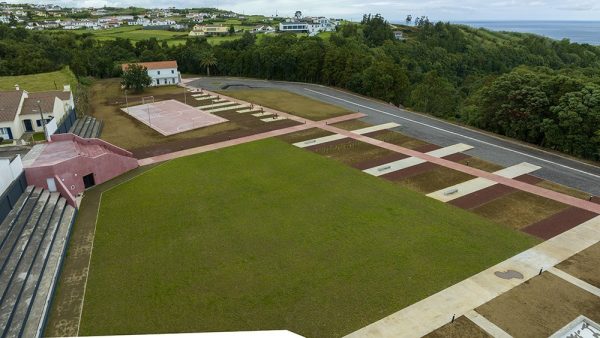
(447,10)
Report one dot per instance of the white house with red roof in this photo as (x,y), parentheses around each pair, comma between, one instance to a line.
(20,110)
(163,73)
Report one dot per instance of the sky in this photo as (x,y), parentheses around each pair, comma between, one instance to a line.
(445,10)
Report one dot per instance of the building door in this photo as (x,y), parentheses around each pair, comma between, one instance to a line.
(28,125)
(88,181)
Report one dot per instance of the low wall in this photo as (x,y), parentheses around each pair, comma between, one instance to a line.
(11,195)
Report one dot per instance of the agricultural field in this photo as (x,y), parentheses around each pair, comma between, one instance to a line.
(134,33)
(285,237)
(40,82)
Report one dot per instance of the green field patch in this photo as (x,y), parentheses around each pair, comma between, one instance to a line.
(40,82)
(267,236)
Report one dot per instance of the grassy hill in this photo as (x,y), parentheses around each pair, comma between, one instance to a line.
(40,82)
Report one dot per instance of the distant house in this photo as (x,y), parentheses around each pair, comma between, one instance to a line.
(162,72)
(263,29)
(209,30)
(20,110)
(398,35)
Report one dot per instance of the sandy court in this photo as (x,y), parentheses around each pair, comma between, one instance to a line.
(172,117)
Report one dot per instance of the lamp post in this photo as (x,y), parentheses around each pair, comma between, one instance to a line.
(43,121)
(126,103)
(185,95)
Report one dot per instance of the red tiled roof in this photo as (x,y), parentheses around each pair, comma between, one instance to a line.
(153,65)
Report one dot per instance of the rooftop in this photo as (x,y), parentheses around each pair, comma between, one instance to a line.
(153,65)
(9,104)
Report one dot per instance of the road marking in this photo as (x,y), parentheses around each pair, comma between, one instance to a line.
(455,133)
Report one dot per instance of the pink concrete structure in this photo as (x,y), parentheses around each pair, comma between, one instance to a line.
(171,117)
(70,164)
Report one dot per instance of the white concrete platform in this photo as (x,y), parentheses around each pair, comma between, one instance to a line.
(465,188)
(224,109)
(244,111)
(204,98)
(378,127)
(361,131)
(487,326)
(412,161)
(273,119)
(263,114)
(220,100)
(217,105)
(200,95)
(450,150)
(320,140)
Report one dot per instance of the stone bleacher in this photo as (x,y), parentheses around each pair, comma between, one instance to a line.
(87,127)
(33,240)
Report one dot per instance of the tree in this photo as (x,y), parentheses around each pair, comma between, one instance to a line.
(408,19)
(298,15)
(376,30)
(435,95)
(208,60)
(136,77)
(231,30)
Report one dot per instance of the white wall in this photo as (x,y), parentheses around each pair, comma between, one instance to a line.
(162,77)
(9,171)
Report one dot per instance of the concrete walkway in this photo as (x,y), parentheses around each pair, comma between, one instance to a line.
(465,188)
(437,310)
(533,189)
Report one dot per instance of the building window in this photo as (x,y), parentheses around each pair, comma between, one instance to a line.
(158,72)
(172,71)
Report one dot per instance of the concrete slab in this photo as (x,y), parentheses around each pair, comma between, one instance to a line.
(412,161)
(320,140)
(244,111)
(216,105)
(477,184)
(575,281)
(486,325)
(263,114)
(273,119)
(378,127)
(204,98)
(211,111)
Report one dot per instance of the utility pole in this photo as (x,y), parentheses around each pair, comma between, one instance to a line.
(46,136)
(126,103)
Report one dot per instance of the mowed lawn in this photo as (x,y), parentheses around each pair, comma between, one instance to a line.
(40,82)
(268,236)
(289,102)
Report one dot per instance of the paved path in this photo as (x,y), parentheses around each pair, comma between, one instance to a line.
(553,195)
(307,125)
(505,152)
(437,310)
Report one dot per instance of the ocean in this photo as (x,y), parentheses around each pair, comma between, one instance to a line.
(576,31)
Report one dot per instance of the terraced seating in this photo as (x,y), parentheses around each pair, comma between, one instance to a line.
(33,240)
(87,127)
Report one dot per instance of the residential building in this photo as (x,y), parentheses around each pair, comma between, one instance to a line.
(162,72)
(20,110)
(294,27)
(263,29)
(208,30)
(10,169)
(399,35)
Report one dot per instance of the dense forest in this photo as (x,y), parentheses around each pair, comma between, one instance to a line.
(523,86)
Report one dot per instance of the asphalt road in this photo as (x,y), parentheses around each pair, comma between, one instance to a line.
(563,170)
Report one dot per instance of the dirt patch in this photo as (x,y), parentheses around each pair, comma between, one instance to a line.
(379,161)
(427,148)
(584,265)
(482,196)
(352,125)
(519,209)
(351,151)
(397,138)
(457,157)
(528,179)
(564,189)
(411,171)
(559,222)
(540,307)
(478,164)
(462,327)
(435,179)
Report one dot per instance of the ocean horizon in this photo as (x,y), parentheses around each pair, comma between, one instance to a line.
(575,31)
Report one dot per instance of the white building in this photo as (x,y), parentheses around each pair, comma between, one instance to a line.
(312,26)
(162,72)
(20,110)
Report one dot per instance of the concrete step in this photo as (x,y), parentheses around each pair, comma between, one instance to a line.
(40,304)
(14,213)
(11,297)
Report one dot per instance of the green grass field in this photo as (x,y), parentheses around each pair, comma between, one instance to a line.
(268,236)
(288,102)
(39,82)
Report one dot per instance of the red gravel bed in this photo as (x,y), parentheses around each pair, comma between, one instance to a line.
(482,196)
(427,148)
(529,179)
(411,171)
(559,222)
